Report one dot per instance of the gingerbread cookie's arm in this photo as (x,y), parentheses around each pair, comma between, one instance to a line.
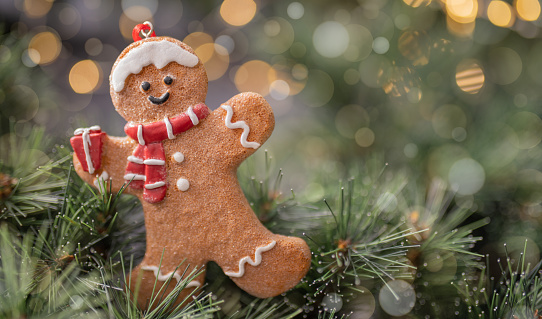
(115,151)
(244,123)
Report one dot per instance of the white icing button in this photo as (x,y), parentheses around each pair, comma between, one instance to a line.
(179,157)
(183,184)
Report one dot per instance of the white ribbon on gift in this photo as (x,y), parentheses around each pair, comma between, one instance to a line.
(85,132)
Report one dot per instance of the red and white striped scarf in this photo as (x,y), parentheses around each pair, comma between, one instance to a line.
(147,165)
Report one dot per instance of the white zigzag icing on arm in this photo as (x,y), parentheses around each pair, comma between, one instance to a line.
(257,260)
(161,277)
(239,124)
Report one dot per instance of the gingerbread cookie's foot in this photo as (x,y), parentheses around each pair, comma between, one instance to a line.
(273,268)
(144,277)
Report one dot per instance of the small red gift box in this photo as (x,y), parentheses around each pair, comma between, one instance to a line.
(87,144)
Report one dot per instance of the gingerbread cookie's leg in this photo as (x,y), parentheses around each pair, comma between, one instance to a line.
(268,269)
(144,277)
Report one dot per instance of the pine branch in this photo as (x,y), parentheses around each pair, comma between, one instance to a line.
(38,178)
(30,287)
(283,214)
(517,294)
(364,241)
(445,246)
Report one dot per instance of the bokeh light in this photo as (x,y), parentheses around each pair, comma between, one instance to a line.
(37,8)
(197,39)
(410,150)
(93,46)
(505,65)
(462,11)
(332,302)
(238,12)
(443,157)
(528,128)
(528,10)
(364,137)
(520,248)
(414,45)
(381,45)
(469,76)
(45,47)
(351,76)
(28,97)
(433,262)
(397,297)
(360,303)
(361,43)
(350,119)
(97,10)
(279,90)
(330,39)
(215,59)
(300,72)
(226,42)
(214,56)
(460,29)
(402,82)
(466,176)
(295,10)
(29,157)
(69,20)
(170,13)
(375,71)
(500,13)
(277,36)
(139,10)
(85,76)
(126,24)
(417,3)
(5,53)
(319,88)
(255,76)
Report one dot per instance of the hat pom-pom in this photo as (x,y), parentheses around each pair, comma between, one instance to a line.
(144,29)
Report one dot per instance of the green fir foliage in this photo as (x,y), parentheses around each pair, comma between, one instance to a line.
(71,256)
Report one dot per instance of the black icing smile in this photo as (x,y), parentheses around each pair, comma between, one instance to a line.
(159,100)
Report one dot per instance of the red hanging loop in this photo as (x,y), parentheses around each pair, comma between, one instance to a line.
(145,29)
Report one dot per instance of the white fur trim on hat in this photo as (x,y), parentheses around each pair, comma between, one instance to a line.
(159,53)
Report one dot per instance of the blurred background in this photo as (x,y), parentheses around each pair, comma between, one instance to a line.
(447,89)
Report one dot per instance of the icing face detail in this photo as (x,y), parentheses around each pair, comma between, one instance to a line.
(145,86)
(159,100)
(188,87)
(168,80)
(157,53)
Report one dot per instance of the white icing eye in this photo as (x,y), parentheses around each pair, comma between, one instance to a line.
(145,86)
(168,80)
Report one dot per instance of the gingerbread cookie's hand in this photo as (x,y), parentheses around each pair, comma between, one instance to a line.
(102,153)
(247,121)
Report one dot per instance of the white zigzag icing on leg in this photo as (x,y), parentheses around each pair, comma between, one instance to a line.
(257,260)
(161,277)
(239,124)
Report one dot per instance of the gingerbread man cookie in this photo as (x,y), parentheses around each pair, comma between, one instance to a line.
(181,160)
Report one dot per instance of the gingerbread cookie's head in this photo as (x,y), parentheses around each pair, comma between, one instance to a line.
(155,78)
